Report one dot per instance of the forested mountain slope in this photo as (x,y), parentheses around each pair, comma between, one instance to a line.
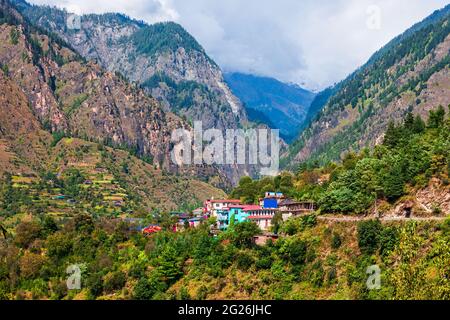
(410,74)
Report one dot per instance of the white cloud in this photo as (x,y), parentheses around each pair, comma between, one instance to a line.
(308,41)
(148,10)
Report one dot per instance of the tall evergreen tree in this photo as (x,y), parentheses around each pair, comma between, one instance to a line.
(394,183)
(409,122)
(392,137)
(437,118)
(419,125)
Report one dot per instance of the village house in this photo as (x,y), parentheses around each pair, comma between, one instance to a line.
(195,222)
(151,230)
(199,212)
(214,206)
(231,214)
(272,200)
(261,216)
(290,208)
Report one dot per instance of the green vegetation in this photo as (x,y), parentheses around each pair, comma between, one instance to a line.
(412,153)
(14,36)
(76,103)
(182,95)
(118,263)
(85,204)
(5,69)
(163,37)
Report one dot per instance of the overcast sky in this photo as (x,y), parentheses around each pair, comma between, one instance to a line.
(314,43)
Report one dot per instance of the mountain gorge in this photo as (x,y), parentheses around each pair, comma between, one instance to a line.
(271,102)
(411,73)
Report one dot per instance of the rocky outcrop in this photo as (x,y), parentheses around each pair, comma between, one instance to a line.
(81,99)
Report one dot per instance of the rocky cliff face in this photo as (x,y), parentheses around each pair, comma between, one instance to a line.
(68,94)
(79,98)
(165,59)
(410,74)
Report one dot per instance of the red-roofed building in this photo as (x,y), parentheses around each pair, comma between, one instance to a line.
(261,216)
(151,230)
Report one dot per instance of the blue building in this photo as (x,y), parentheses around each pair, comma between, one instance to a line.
(234,214)
(272,200)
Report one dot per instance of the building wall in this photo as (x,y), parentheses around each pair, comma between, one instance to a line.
(263,224)
(271,203)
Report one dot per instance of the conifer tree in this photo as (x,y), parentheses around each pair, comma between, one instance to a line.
(419,125)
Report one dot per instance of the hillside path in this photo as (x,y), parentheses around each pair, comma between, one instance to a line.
(385,219)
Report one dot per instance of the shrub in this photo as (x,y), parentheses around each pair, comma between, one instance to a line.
(369,236)
(202,293)
(114,281)
(26,233)
(95,284)
(59,245)
(336,241)
(184,294)
(332,275)
(59,289)
(30,264)
(143,290)
(264,263)
(244,261)
(136,271)
(242,234)
(317,274)
(389,238)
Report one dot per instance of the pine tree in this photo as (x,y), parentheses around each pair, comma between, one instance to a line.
(392,137)
(393,183)
(169,265)
(437,117)
(419,125)
(409,121)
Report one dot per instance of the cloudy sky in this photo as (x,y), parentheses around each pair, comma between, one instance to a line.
(314,43)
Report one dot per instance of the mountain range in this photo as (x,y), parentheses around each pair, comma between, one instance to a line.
(87,182)
(164,67)
(49,92)
(163,58)
(279,105)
